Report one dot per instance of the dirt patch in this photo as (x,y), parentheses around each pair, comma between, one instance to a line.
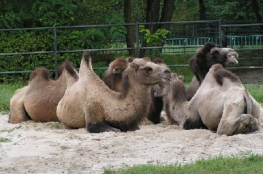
(250,76)
(51,148)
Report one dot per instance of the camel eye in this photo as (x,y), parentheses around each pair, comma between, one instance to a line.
(148,69)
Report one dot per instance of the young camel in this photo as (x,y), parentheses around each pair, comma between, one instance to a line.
(204,58)
(221,104)
(90,103)
(38,100)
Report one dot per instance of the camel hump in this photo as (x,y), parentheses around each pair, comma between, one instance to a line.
(221,73)
(70,68)
(87,58)
(40,72)
(157,60)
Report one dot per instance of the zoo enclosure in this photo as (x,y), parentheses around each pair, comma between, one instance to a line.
(183,37)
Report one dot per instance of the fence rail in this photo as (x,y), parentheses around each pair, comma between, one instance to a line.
(184,37)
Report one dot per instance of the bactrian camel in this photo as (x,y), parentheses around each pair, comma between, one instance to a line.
(90,103)
(220,104)
(38,100)
(206,56)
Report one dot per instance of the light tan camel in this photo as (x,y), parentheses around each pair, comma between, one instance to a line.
(90,103)
(38,100)
(221,104)
(174,99)
(208,55)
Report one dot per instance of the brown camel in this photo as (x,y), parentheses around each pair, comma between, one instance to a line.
(113,74)
(204,58)
(90,103)
(38,100)
(156,107)
(221,104)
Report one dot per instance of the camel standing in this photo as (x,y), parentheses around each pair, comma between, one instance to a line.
(38,100)
(90,103)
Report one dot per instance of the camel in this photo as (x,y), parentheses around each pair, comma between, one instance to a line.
(156,107)
(223,104)
(38,100)
(174,99)
(204,58)
(220,104)
(113,74)
(90,103)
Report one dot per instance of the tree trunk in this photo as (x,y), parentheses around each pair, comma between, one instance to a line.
(129,35)
(167,13)
(257,12)
(202,10)
(152,15)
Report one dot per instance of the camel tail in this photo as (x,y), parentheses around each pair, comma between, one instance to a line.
(87,58)
(248,103)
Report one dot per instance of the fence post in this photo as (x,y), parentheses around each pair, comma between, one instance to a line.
(219,33)
(55,52)
(137,39)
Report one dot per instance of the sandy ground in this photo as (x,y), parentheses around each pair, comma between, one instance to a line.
(51,148)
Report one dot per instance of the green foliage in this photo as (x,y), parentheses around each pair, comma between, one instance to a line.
(3,139)
(219,165)
(154,39)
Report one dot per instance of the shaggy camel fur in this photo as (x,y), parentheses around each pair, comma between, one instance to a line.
(175,100)
(90,103)
(113,74)
(38,100)
(222,104)
(156,107)
(204,58)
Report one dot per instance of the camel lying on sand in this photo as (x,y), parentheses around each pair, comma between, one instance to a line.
(220,104)
(204,58)
(174,99)
(156,107)
(90,103)
(38,100)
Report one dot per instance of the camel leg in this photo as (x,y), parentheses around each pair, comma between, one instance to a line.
(100,127)
(230,126)
(194,122)
(17,113)
(95,122)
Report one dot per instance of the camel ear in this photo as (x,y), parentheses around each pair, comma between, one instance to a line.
(181,77)
(134,65)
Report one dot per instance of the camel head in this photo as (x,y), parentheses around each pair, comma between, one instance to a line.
(149,73)
(163,89)
(223,56)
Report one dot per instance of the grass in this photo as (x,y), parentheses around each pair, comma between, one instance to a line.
(251,164)
(6,92)
(2,140)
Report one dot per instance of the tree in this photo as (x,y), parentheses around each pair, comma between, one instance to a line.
(153,15)
(129,35)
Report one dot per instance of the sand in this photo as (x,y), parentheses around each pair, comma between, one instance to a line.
(52,148)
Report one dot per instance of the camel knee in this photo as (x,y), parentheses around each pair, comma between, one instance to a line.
(100,127)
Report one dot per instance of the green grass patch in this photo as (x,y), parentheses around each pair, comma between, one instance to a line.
(256,91)
(3,139)
(251,164)
(6,93)
(10,130)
